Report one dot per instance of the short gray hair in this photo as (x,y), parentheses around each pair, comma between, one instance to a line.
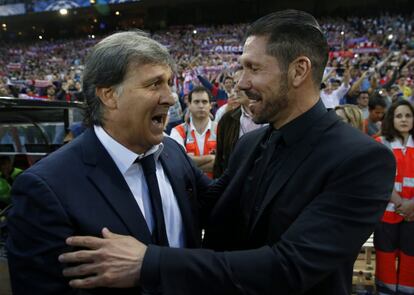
(109,61)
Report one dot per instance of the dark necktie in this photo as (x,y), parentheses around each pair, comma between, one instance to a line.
(159,234)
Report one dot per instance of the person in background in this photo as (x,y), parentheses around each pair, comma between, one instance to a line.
(393,237)
(335,90)
(362,102)
(350,114)
(198,135)
(376,106)
(175,114)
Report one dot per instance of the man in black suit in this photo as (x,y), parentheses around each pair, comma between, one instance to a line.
(298,199)
(99,179)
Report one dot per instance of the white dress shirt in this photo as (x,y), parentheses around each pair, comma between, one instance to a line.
(134,177)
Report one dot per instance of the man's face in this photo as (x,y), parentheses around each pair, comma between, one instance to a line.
(200,105)
(141,106)
(363,100)
(228,84)
(377,114)
(263,81)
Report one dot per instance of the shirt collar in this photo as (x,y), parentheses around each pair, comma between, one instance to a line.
(209,127)
(296,129)
(244,113)
(122,156)
(396,144)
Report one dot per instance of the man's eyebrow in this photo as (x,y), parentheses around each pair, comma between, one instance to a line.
(160,77)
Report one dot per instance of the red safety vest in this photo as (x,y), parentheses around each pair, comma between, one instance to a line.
(404,178)
(190,141)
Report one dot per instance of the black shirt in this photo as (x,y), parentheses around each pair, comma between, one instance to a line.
(270,155)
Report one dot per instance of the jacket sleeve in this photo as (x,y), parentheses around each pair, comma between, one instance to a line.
(38,226)
(329,231)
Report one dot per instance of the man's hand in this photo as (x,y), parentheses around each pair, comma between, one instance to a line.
(114,261)
(406,209)
(208,166)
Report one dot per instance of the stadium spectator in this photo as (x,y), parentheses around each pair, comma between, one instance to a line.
(350,114)
(362,101)
(393,240)
(376,108)
(198,135)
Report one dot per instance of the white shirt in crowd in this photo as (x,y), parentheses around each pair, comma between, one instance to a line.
(331,100)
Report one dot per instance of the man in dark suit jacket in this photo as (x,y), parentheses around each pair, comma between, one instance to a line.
(95,181)
(299,198)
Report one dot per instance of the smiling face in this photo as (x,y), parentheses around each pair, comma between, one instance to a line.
(136,110)
(263,81)
(403,119)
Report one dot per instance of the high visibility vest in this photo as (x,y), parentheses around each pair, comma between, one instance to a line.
(404,178)
(190,140)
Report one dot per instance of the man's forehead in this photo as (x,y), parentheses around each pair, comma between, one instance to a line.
(150,70)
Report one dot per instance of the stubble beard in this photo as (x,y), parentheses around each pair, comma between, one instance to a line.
(273,108)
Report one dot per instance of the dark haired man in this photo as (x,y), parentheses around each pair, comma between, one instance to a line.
(293,212)
(376,111)
(198,135)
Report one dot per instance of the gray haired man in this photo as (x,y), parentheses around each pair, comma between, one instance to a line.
(117,174)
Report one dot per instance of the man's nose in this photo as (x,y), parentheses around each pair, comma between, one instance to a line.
(244,82)
(167,97)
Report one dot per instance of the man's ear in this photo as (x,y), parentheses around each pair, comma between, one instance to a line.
(108,96)
(300,70)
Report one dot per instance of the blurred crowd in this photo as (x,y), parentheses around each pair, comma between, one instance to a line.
(372,55)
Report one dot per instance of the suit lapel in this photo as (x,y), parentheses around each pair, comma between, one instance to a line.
(177,181)
(108,180)
(293,160)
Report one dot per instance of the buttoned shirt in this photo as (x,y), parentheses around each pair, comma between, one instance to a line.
(134,177)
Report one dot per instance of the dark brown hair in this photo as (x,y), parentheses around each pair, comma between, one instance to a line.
(388,129)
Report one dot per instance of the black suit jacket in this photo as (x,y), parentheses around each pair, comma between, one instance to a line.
(78,190)
(324,201)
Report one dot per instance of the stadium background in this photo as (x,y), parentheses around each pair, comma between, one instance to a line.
(159,14)
(99,18)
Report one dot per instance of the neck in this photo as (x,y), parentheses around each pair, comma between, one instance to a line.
(297,106)
(200,124)
(405,138)
(135,147)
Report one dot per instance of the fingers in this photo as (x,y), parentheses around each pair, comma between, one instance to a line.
(85,242)
(86,283)
(107,234)
(78,256)
(81,270)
